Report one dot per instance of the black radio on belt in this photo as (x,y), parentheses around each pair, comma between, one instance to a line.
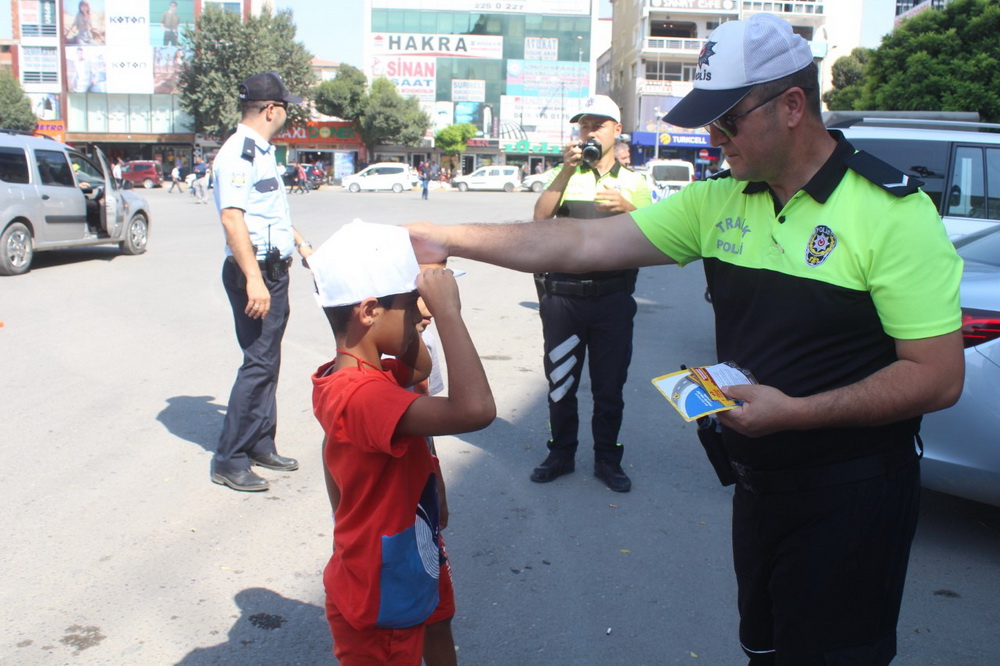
(273,265)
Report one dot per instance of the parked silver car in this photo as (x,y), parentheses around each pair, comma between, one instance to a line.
(53,196)
(962,443)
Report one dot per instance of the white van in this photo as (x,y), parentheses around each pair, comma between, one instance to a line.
(496,177)
(669,176)
(393,176)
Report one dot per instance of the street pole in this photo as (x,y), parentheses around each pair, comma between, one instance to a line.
(656,134)
(562,113)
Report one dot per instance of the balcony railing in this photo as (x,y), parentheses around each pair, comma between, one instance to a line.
(692,47)
(804,8)
(779,8)
(664,88)
(674,45)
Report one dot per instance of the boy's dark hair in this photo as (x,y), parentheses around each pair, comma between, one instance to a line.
(339,315)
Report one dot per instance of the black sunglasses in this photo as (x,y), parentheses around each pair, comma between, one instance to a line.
(283,105)
(727,123)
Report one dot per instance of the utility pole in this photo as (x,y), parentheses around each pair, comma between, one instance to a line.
(656,134)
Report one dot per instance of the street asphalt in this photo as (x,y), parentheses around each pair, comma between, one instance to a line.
(118,549)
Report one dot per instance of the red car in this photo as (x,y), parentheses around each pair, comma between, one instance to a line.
(147,173)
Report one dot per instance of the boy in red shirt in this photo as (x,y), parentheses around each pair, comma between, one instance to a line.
(382,582)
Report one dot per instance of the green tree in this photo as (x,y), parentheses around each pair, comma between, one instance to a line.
(345,95)
(380,113)
(454,138)
(848,80)
(939,60)
(15,107)
(225,51)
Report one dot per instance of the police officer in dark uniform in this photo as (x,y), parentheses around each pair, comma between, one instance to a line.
(260,239)
(588,313)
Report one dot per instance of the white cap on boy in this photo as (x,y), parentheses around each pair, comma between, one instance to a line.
(363,260)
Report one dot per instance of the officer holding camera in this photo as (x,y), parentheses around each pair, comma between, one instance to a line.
(588,313)
(260,240)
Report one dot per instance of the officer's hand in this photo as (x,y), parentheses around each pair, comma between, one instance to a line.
(765,410)
(611,200)
(304,252)
(430,242)
(258,298)
(573,155)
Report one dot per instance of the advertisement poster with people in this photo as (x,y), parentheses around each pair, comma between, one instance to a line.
(101,56)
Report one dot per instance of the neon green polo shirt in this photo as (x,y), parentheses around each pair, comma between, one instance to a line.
(811,296)
(578,198)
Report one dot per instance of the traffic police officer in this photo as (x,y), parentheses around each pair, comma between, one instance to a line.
(260,239)
(592,311)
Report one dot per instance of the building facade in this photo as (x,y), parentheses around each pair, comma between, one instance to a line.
(516,70)
(656,44)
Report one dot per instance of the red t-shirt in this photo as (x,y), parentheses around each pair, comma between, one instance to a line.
(386,563)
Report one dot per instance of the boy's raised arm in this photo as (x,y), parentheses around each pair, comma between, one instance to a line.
(469,405)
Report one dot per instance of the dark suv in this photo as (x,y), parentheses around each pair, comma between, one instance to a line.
(143,172)
(958,161)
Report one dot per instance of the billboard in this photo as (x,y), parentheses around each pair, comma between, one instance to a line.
(437,45)
(562,7)
(102,55)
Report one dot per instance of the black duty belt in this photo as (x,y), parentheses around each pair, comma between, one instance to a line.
(585,288)
(283,265)
(811,478)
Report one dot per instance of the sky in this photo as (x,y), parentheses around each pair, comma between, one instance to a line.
(337,40)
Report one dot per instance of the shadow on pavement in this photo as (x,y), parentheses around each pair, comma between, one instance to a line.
(270,630)
(197,419)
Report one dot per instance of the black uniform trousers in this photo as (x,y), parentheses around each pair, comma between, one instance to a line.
(821,571)
(252,416)
(573,327)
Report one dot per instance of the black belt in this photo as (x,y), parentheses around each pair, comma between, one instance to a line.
(811,478)
(283,265)
(585,288)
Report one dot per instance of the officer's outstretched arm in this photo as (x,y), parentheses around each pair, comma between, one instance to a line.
(565,245)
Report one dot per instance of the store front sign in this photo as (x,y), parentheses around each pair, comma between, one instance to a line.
(542,148)
(320,132)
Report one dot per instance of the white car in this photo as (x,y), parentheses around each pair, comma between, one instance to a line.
(537,182)
(669,176)
(394,176)
(506,178)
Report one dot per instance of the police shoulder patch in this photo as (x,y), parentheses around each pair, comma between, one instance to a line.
(821,244)
(883,174)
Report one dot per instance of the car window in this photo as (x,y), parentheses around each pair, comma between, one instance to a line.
(86,171)
(926,160)
(993,183)
(394,170)
(671,172)
(13,165)
(54,168)
(967,192)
